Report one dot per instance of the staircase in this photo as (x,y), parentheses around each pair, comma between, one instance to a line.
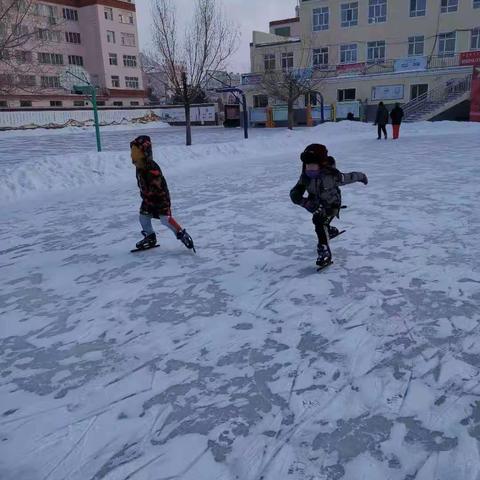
(438,100)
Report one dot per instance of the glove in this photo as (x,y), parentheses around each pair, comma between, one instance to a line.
(364,179)
(309,205)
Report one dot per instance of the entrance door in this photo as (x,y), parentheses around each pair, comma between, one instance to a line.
(418,90)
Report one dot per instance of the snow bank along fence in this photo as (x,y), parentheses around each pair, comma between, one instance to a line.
(205,114)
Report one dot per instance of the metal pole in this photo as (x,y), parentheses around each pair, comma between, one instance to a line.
(95,116)
(322,112)
(245,116)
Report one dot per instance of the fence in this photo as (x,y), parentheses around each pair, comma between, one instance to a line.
(61,118)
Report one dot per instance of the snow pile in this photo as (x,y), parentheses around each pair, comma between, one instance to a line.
(65,172)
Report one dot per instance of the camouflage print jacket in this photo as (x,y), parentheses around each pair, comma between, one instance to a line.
(154,191)
(324,190)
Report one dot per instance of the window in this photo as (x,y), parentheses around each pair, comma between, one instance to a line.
(50,82)
(476,3)
(75,60)
(348,53)
(269,62)
(72,37)
(25,103)
(115,81)
(4,55)
(376,51)
(70,14)
(125,18)
(418,90)
(320,19)
(3,104)
(349,13)
(377,11)
(449,6)
(446,44)
(418,8)
(19,30)
(43,10)
(416,45)
(475,42)
(48,35)
(27,80)
(110,36)
(320,57)
(100,103)
(134,104)
(287,61)
(283,31)
(6,79)
(311,99)
(128,40)
(23,56)
(129,61)
(50,58)
(56,103)
(108,12)
(78,103)
(131,82)
(112,58)
(118,104)
(346,94)
(260,101)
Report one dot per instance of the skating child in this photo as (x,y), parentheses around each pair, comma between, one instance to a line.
(321,180)
(155,196)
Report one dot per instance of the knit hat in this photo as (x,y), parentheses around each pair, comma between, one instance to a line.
(315,153)
(144,143)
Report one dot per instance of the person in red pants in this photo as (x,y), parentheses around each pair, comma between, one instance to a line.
(396,115)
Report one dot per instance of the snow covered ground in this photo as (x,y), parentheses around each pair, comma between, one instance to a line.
(242,362)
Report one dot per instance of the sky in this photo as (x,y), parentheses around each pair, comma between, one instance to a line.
(249,14)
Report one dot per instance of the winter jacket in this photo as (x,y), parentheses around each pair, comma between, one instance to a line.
(396,115)
(324,190)
(154,191)
(382,116)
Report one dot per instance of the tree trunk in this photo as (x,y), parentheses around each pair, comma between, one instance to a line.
(188,125)
(186,103)
(290,115)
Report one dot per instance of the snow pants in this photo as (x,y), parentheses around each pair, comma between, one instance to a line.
(322,221)
(396,131)
(167,220)
(382,128)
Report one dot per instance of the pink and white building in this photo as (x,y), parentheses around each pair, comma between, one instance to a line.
(99,35)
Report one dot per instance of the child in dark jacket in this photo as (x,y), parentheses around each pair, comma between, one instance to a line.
(321,180)
(155,195)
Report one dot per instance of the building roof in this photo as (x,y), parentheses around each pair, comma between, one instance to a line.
(284,21)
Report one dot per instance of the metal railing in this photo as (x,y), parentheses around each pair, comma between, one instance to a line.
(438,95)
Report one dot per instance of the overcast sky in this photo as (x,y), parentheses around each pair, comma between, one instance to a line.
(250,15)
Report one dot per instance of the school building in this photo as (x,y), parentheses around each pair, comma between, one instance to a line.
(420,53)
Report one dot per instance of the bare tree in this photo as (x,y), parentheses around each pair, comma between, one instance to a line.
(25,26)
(288,83)
(208,42)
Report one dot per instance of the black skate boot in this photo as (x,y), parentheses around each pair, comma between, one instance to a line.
(333,232)
(324,258)
(149,241)
(186,239)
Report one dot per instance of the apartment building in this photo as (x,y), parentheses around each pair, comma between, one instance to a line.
(99,36)
(372,50)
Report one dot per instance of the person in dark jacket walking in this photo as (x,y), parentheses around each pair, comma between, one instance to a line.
(155,195)
(321,180)
(381,120)
(396,115)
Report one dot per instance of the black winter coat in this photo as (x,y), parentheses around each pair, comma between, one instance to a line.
(154,191)
(382,116)
(396,115)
